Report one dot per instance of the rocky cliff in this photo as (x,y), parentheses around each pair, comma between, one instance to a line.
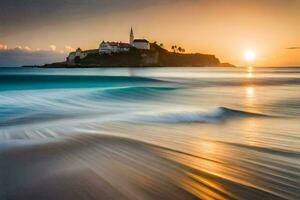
(155,57)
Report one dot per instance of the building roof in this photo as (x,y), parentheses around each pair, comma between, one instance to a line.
(124,45)
(113,43)
(91,51)
(119,44)
(141,40)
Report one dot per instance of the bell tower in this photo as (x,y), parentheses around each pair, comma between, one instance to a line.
(131,37)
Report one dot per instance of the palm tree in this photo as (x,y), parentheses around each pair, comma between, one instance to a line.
(179,49)
(173,48)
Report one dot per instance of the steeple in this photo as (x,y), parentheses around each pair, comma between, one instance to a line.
(131,37)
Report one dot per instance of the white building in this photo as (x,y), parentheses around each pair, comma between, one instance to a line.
(113,47)
(71,57)
(105,47)
(80,54)
(138,43)
(141,44)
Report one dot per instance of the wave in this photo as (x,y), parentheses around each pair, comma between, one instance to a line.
(25,82)
(235,82)
(131,92)
(217,115)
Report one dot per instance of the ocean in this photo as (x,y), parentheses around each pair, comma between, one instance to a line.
(150,133)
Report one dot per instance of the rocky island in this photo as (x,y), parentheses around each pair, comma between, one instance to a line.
(136,53)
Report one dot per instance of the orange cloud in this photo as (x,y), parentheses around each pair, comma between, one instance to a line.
(27,48)
(52,47)
(69,48)
(293,48)
(3,46)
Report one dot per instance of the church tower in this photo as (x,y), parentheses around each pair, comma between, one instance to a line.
(131,37)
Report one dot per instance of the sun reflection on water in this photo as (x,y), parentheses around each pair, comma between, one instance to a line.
(250,69)
(250,92)
(210,167)
(250,98)
(250,72)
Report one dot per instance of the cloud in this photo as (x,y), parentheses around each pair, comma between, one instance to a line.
(69,48)
(27,48)
(52,47)
(26,56)
(292,48)
(3,46)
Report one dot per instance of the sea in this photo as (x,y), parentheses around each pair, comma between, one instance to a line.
(150,133)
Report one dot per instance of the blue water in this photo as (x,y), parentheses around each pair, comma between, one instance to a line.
(152,133)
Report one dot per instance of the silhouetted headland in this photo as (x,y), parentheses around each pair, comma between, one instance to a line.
(156,56)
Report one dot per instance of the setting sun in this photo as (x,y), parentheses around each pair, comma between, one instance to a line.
(249,55)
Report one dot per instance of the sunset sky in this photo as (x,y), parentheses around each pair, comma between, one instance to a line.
(226,28)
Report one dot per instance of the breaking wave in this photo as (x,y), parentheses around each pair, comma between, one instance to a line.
(131,92)
(30,82)
(217,115)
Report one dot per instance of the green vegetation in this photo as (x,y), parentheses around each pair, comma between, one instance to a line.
(179,58)
(123,59)
(177,49)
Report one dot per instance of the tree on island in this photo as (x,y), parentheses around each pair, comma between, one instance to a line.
(174,48)
(179,49)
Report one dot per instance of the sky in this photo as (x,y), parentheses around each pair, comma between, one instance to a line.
(41,31)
